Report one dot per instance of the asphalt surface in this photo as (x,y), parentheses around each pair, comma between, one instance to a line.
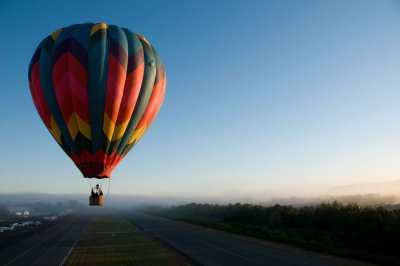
(48,247)
(211,247)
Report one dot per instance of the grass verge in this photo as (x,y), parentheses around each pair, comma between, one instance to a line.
(124,250)
(103,223)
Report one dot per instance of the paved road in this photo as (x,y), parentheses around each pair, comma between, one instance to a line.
(48,247)
(210,247)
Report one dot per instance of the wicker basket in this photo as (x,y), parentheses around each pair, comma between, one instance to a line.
(96,201)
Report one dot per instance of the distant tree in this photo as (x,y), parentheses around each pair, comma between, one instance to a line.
(4,212)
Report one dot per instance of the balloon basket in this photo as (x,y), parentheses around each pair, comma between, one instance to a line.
(98,201)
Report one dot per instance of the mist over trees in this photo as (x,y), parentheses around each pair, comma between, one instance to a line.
(7,210)
(360,199)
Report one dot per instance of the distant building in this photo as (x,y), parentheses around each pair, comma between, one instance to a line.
(20,211)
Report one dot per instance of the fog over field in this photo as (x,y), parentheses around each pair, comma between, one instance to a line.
(368,193)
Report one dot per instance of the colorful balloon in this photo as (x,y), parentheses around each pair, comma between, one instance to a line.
(97,88)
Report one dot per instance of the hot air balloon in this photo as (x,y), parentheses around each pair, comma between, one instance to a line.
(97,88)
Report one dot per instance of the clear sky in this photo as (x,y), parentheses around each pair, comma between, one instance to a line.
(263,97)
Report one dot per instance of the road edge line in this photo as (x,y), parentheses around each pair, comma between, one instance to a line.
(69,253)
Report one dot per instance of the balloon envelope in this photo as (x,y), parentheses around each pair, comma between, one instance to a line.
(97,88)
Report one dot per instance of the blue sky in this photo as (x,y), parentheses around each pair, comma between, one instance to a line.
(263,97)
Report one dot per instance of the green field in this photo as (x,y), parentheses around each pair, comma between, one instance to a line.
(124,250)
(103,223)
(128,248)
